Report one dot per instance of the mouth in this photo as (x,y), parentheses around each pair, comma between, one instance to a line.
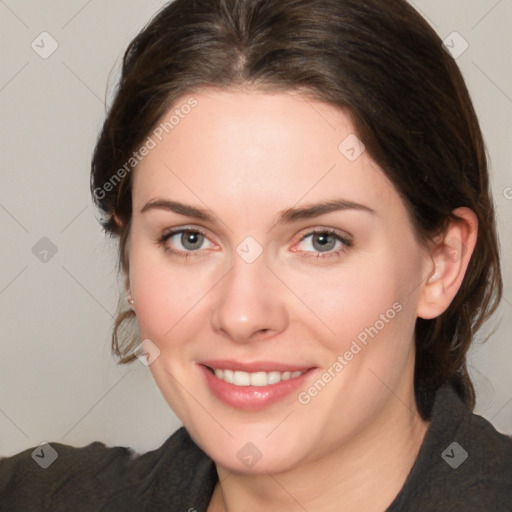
(240,378)
(253,387)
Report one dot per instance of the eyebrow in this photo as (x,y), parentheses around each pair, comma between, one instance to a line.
(287,216)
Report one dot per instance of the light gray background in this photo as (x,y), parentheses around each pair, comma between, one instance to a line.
(58,381)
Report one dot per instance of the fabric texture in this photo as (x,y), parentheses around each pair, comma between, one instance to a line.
(464,465)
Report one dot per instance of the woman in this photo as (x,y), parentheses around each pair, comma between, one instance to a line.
(308,242)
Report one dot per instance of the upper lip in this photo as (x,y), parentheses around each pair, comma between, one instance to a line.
(255,366)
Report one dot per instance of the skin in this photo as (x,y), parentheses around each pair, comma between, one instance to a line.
(246,156)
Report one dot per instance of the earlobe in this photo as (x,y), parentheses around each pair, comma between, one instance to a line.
(129,299)
(449,259)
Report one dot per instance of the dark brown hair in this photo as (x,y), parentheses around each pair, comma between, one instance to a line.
(379,61)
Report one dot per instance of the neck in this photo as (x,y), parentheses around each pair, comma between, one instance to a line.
(366,473)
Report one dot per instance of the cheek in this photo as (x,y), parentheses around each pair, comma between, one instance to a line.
(167,295)
(161,301)
(354,300)
(369,311)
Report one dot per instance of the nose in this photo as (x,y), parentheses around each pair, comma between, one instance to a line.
(250,304)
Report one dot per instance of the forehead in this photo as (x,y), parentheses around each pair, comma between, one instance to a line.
(268,149)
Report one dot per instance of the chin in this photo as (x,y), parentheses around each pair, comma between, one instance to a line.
(251,450)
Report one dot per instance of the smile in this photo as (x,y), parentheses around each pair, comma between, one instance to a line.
(253,387)
(239,378)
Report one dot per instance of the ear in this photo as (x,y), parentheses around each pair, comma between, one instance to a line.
(117,219)
(446,264)
(128,293)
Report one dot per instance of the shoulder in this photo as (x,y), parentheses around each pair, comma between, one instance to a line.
(57,477)
(477,451)
(485,475)
(464,463)
(50,475)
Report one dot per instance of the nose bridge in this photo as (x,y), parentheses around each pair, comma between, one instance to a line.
(250,301)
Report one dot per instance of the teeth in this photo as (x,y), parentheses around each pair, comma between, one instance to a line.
(258,378)
(241,379)
(254,379)
(273,377)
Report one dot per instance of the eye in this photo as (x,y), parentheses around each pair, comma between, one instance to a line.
(325,240)
(191,239)
(322,240)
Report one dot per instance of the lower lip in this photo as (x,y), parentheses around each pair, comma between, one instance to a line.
(252,398)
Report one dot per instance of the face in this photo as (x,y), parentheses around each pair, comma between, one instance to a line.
(312,306)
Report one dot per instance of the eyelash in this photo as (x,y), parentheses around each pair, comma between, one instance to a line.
(347,243)
(180,254)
